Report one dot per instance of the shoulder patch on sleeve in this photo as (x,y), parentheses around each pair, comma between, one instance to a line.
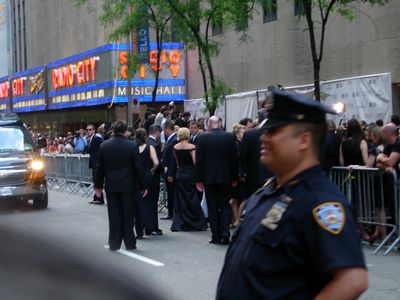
(330,216)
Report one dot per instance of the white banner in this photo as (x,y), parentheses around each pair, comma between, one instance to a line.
(197,109)
(367,98)
(239,106)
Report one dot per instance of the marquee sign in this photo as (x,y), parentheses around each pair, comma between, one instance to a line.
(99,76)
(172,83)
(28,90)
(4,94)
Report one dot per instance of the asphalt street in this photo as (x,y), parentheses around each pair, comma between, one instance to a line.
(178,265)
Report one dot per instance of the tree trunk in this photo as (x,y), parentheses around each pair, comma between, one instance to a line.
(214,98)
(203,74)
(157,74)
(317,87)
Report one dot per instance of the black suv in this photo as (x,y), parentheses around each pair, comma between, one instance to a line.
(22,173)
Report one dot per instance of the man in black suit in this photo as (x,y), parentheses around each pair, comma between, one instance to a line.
(166,160)
(194,131)
(184,120)
(119,163)
(94,142)
(154,140)
(216,172)
(251,169)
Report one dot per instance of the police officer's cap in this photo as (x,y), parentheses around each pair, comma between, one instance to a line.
(288,108)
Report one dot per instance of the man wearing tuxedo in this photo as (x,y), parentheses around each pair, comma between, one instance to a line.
(120,169)
(94,142)
(216,172)
(194,131)
(166,160)
(154,140)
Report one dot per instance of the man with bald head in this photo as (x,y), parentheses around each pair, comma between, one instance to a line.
(388,161)
(391,153)
(216,172)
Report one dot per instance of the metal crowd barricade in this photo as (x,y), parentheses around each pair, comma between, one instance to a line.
(50,163)
(73,172)
(86,175)
(369,189)
(69,173)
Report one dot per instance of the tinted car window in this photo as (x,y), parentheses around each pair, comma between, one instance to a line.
(15,139)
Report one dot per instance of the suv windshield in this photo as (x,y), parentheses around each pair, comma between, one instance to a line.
(14,138)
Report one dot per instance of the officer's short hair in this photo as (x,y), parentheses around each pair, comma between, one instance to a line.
(318,132)
(120,127)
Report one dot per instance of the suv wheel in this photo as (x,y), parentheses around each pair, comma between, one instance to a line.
(41,202)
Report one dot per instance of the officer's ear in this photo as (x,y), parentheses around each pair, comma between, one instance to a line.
(305,140)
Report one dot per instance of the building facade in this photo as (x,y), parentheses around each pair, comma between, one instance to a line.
(277,52)
(5,45)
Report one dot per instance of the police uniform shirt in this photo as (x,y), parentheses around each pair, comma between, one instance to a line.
(289,239)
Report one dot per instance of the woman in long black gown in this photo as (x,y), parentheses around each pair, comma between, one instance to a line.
(150,163)
(188,214)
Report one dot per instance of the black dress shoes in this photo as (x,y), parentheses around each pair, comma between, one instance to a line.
(166,218)
(225,241)
(154,232)
(215,241)
(131,248)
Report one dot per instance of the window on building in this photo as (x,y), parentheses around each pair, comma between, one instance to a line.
(216,29)
(270,12)
(18,35)
(298,7)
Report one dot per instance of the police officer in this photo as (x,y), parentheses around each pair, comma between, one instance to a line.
(298,237)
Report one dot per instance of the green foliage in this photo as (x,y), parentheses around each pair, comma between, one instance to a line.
(192,22)
(217,95)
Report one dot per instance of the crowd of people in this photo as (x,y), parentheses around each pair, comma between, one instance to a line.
(362,145)
(201,165)
(169,149)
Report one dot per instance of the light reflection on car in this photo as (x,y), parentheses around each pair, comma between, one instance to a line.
(22,172)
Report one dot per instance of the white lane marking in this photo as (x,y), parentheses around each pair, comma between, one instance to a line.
(369,265)
(138,257)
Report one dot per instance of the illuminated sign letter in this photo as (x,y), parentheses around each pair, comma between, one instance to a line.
(71,75)
(86,73)
(18,86)
(123,58)
(79,72)
(92,67)
(4,90)
(54,74)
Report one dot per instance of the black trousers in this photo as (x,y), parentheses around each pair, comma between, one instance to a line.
(219,211)
(94,183)
(170,192)
(121,208)
(154,196)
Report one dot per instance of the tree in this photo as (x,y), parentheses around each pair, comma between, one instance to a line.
(195,19)
(126,16)
(323,10)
